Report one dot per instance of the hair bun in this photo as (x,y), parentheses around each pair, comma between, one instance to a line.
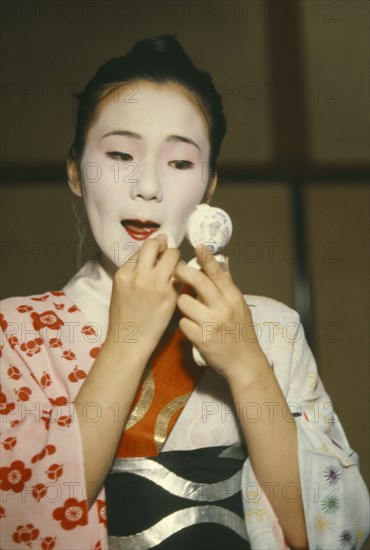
(165,46)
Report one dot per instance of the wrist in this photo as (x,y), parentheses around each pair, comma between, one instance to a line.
(249,372)
(123,354)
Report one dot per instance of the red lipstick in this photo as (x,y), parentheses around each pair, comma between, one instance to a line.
(140,229)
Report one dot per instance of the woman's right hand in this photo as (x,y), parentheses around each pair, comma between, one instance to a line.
(144,296)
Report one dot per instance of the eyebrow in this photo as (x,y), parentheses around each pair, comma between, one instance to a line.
(170,139)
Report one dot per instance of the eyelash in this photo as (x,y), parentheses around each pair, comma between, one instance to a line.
(116,155)
(187,163)
(125,157)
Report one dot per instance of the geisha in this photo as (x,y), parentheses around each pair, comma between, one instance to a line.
(134,444)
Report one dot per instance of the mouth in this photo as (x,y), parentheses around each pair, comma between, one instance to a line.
(139,229)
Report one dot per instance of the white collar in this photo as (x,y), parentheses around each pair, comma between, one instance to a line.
(91,289)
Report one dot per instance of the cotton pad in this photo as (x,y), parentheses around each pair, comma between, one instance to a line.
(209,225)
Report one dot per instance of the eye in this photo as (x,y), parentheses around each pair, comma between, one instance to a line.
(181,164)
(116,155)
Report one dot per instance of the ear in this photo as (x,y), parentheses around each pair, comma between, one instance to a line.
(210,190)
(74,179)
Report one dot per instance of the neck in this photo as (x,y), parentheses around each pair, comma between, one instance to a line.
(108,265)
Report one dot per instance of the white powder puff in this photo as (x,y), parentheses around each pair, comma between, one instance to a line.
(209,225)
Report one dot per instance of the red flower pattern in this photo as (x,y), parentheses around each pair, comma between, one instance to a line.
(26,534)
(77,374)
(45,381)
(23,393)
(14,477)
(24,309)
(102,511)
(39,491)
(57,293)
(2,512)
(13,341)
(95,352)
(72,309)
(72,514)
(40,298)
(5,407)
(59,401)
(50,449)
(55,343)
(69,355)
(32,346)
(9,443)
(46,319)
(48,543)
(65,421)
(46,418)
(3,323)
(47,450)
(13,372)
(88,330)
(54,471)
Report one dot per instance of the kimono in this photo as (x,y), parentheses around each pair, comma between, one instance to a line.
(50,341)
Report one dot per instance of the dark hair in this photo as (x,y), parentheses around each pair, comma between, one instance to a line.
(159,59)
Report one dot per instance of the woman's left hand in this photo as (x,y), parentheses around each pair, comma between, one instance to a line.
(219,322)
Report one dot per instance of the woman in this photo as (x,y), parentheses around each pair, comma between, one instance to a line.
(100,396)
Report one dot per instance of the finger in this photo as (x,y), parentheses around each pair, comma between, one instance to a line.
(166,263)
(170,240)
(190,329)
(133,259)
(206,290)
(214,270)
(193,309)
(149,253)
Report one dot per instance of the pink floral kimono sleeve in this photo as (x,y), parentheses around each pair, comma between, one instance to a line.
(47,349)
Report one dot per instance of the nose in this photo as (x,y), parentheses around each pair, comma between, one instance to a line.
(146,184)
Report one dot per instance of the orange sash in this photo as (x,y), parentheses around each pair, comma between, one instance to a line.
(164,392)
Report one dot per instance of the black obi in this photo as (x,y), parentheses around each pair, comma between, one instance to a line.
(178,500)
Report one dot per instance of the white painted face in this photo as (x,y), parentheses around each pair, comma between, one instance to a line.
(144,167)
